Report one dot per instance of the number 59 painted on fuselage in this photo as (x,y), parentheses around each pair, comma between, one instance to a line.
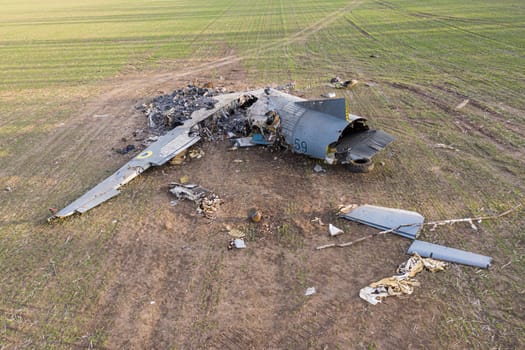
(300,146)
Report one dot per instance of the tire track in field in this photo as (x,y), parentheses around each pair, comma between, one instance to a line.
(23,324)
(469,125)
(442,69)
(360,29)
(443,21)
(90,138)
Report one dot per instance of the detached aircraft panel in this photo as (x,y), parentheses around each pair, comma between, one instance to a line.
(365,144)
(404,222)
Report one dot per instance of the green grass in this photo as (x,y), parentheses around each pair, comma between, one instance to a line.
(55,56)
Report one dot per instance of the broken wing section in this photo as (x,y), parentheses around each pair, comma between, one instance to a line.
(158,153)
(402,222)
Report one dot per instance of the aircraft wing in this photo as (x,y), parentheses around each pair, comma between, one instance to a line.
(165,148)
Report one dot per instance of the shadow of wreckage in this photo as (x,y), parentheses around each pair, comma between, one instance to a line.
(320,129)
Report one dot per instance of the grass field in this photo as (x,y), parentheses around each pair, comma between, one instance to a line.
(84,282)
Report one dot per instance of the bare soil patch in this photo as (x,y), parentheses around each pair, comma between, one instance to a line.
(167,279)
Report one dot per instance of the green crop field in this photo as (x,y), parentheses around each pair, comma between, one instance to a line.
(63,63)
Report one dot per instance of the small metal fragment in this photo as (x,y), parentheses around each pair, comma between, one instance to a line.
(239,243)
(319,169)
(310,291)
(334,231)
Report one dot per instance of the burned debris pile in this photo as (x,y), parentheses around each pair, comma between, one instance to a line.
(167,111)
(206,201)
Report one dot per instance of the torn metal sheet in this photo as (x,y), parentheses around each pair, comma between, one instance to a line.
(453,255)
(191,192)
(403,222)
(243,142)
(160,152)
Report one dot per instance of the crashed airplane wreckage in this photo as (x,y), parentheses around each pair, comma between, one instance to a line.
(320,129)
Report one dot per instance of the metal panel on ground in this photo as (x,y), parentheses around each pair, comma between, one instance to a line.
(439,252)
(406,223)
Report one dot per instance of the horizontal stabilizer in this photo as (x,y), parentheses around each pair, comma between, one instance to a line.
(403,222)
(439,252)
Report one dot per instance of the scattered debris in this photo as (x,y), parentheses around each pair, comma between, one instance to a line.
(321,129)
(207,203)
(53,210)
(318,220)
(462,104)
(238,161)
(125,150)
(167,111)
(348,84)
(319,169)
(243,142)
(329,95)
(184,179)
(310,291)
(408,224)
(179,158)
(236,243)
(190,191)
(255,215)
(196,153)
(442,145)
(286,87)
(345,209)
(236,232)
(239,243)
(403,283)
(334,231)
(8,189)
